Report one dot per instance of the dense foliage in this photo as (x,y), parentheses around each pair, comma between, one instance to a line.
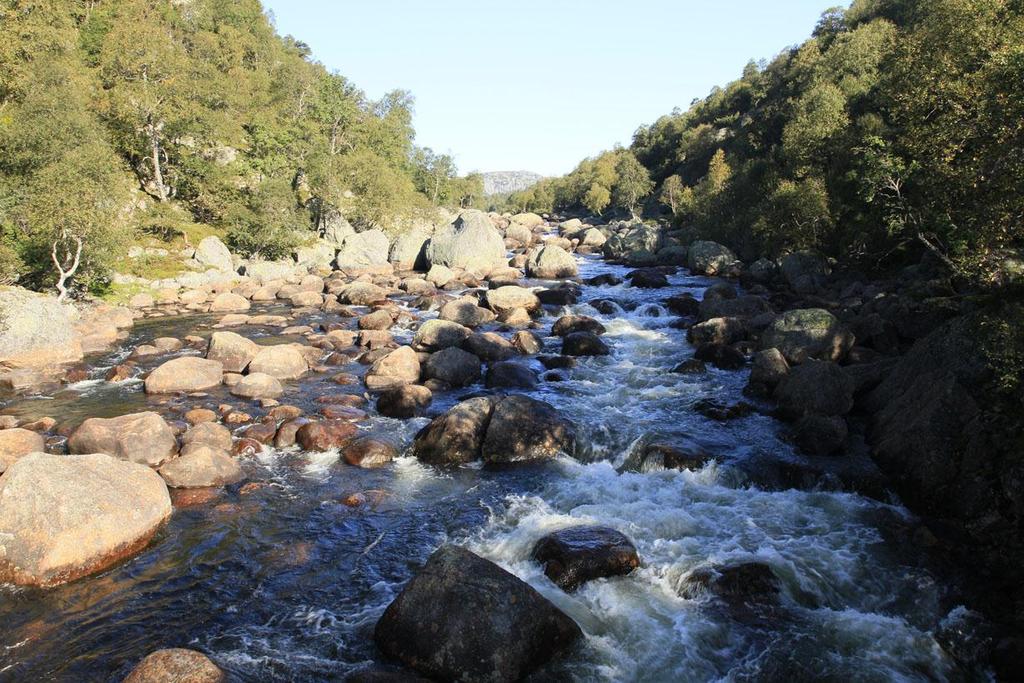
(120,116)
(897,128)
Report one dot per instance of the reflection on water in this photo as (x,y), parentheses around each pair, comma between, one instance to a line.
(285,581)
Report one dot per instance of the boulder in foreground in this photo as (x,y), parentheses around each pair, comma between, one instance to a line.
(144,438)
(64,517)
(465,618)
(175,665)
(573,556)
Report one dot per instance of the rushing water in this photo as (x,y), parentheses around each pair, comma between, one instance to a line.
(286,582)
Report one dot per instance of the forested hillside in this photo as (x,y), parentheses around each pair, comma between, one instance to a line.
(180,117)
(897,128)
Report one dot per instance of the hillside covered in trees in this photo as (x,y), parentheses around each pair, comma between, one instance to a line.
(896,129)
(174,118)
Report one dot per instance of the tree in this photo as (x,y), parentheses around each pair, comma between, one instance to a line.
(597,198)
(671,193)
(634,182)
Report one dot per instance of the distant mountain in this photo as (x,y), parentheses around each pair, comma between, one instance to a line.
(502,182)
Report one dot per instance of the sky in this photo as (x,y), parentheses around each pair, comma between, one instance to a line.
(538,85)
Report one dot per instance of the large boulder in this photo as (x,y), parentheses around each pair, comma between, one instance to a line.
(636,241)
(530,220)
(457,436)
(36,330)
(320,254)
(434,335)
(805,271)
(523,429)
(212,253)
(807,333)
(404,402)
(584,344)
(510,297)
(578,554)
(364,250)
(362,294)
(453,366)
(201,466)
(464,618)
(187,373)
(470,242)
(466,311)
(258,385)
(143,438)
(17,443)
(176,665)
(409,250)
(550,263)
(398,368)
(64,517)
(326,435)
(283,361)
(232,350)
(815,388)
(709,258)
(229,301)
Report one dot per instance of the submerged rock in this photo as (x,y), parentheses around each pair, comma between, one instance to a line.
(98,511)
(465,618)
(573,556)
(176,666)
(738,583)
(584,344)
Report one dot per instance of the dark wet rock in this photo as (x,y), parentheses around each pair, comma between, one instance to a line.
(805,271)
(722,412)
(176,666)
(325,435)
(741,307)
(120,372)
(722,356)
(143,438)
(489,346)
(574,556)
(457,436)
(717,331)
(264,432)
(738,583)
(814,388)
(648,279)
(523,429)
(383,675)
(584,344)
(187,373)
(510,374)
(465,618)
(568,324)
(691,367)
(804,334)
(605,306)
(559,296)
(557,362)
(768,369)
(434,335)
(404,402)
(454,367)
(649,456)
(709,258)
(605,280)
(683,304)
(287,433)
(820,435)
(201,466)
(370,451)
(98,511)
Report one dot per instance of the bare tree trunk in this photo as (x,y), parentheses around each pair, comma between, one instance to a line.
(158,176)
(66,271)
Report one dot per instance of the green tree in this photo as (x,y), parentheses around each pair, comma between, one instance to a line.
(672,193)
(597,198)
(634,182)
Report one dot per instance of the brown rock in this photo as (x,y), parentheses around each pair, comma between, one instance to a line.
(176,666)
(143,438)
(187,373)
(325,435)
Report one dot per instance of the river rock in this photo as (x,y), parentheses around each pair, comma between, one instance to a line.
(815,388)
(258,385)
(768,369)
(568,324)
(434,335)
(573,556)
(453,366)
(362,294)
(212,253)
(718,331)
(369,452)
(207,434)
(722,356)
(16,443)
(283,361)
(807,333)
(648,279)
(709,258)
(805,271)
(381,319)
(628,246)
(551,263)
(508,298)
(98,511)
(404,402)
(325,435)
(737,583)
(187,373)
(233,351)
(510,375)
(364,250)
(584,344)
(201,466)
(143,438)
(523,429)
(397,368)
(176,666)
(527,343)
(465,311)
(820,434)
(470,242)
(465,618)
(409,251)
(457,436)
(489,346)
(228,301)
(36,330)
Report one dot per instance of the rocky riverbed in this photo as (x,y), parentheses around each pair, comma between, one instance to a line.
(311,474)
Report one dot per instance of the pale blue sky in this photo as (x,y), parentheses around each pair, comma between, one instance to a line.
(540,84)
